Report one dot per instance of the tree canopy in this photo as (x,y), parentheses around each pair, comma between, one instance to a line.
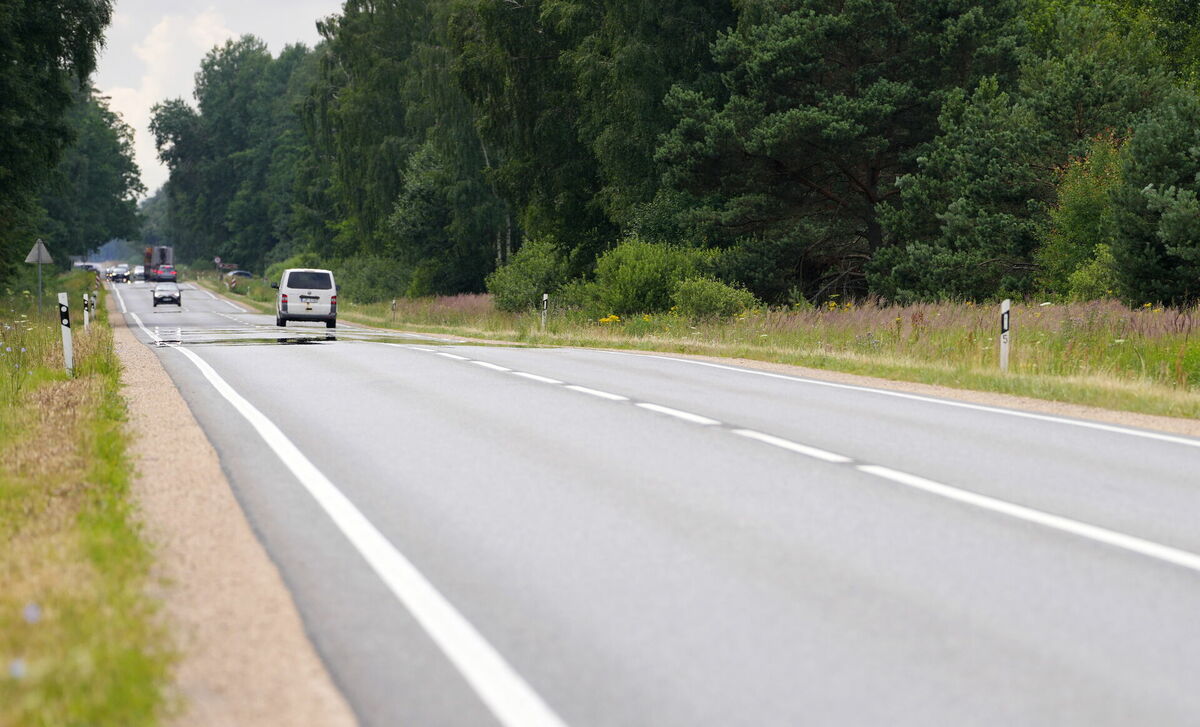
(813,148)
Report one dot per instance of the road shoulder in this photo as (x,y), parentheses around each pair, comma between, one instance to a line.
(244,656)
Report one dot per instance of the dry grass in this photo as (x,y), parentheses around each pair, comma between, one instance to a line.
(1100,353)
(78,639)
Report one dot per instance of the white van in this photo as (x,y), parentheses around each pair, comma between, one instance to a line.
(306,294)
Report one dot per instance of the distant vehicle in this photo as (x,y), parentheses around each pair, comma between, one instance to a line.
(239,274)
(155,257)
(164,273)
(119,273)
(167,293)
(306,294)
(139,272)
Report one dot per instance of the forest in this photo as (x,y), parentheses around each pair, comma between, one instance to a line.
(792,150)
(67,173)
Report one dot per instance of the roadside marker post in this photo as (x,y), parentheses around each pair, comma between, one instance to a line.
(393,311)
(1005,338)
(87,322)
(64,319)
(545,308)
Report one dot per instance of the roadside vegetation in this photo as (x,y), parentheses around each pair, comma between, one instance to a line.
(1098,353)
(80,642)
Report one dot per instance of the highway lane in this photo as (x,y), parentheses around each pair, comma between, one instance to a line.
(635,557)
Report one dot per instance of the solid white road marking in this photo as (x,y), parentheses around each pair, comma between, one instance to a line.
(599,394)
(535,377)
(233,305)
(506,694)
(791,446)
(454,356)
(491,366)
(931,400)
(120,299)
(686,416)
(1057,522)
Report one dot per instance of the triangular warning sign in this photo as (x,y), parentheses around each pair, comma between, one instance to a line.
(39,254)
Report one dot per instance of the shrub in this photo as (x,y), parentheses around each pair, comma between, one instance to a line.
(1097,278)
(708,298)
(535,269)
(638,277)
(370,278)
(1083,217)
(303,260)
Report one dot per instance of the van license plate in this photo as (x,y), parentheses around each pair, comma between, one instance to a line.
(309,298)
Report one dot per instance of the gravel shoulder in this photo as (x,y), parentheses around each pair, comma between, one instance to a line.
(244,658)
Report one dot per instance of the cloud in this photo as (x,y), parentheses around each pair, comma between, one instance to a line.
(170,54)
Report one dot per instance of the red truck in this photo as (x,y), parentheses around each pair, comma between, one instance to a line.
(155,258)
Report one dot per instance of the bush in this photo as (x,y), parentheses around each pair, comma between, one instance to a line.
(1097,278)
(638,277)
(535,269)
(708,298)
(370,278)
(303,260)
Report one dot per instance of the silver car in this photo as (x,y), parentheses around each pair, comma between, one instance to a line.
(167,293)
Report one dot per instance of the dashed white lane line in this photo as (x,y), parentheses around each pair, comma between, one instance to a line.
(598,394)
(456,357)
(509,697)
(120,299)
(233,305)
(1057,522)
(684,415)
(1094,533)
(491,366)
(1188,442)
(791,446)
(535,377)
(418,348)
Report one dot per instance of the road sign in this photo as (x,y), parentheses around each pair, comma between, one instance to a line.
(217,260)
(39,254)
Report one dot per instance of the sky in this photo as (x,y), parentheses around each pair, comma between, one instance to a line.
(153,49)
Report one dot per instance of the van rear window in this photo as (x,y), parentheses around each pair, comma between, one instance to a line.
(312,281)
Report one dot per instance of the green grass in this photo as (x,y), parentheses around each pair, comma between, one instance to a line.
(95,655)
(1098,353)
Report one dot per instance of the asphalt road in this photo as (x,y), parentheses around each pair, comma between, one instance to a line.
(489,535)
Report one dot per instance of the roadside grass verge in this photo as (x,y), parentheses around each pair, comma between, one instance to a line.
(1098,353)
(80,642)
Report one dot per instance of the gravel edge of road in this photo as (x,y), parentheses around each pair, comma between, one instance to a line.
(244,657)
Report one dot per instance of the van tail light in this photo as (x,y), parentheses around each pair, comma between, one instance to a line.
(283,297)
(333,300)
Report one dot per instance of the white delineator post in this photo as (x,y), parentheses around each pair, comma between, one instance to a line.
(64,318)
(1005,309)
(87,321)
(545,307)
